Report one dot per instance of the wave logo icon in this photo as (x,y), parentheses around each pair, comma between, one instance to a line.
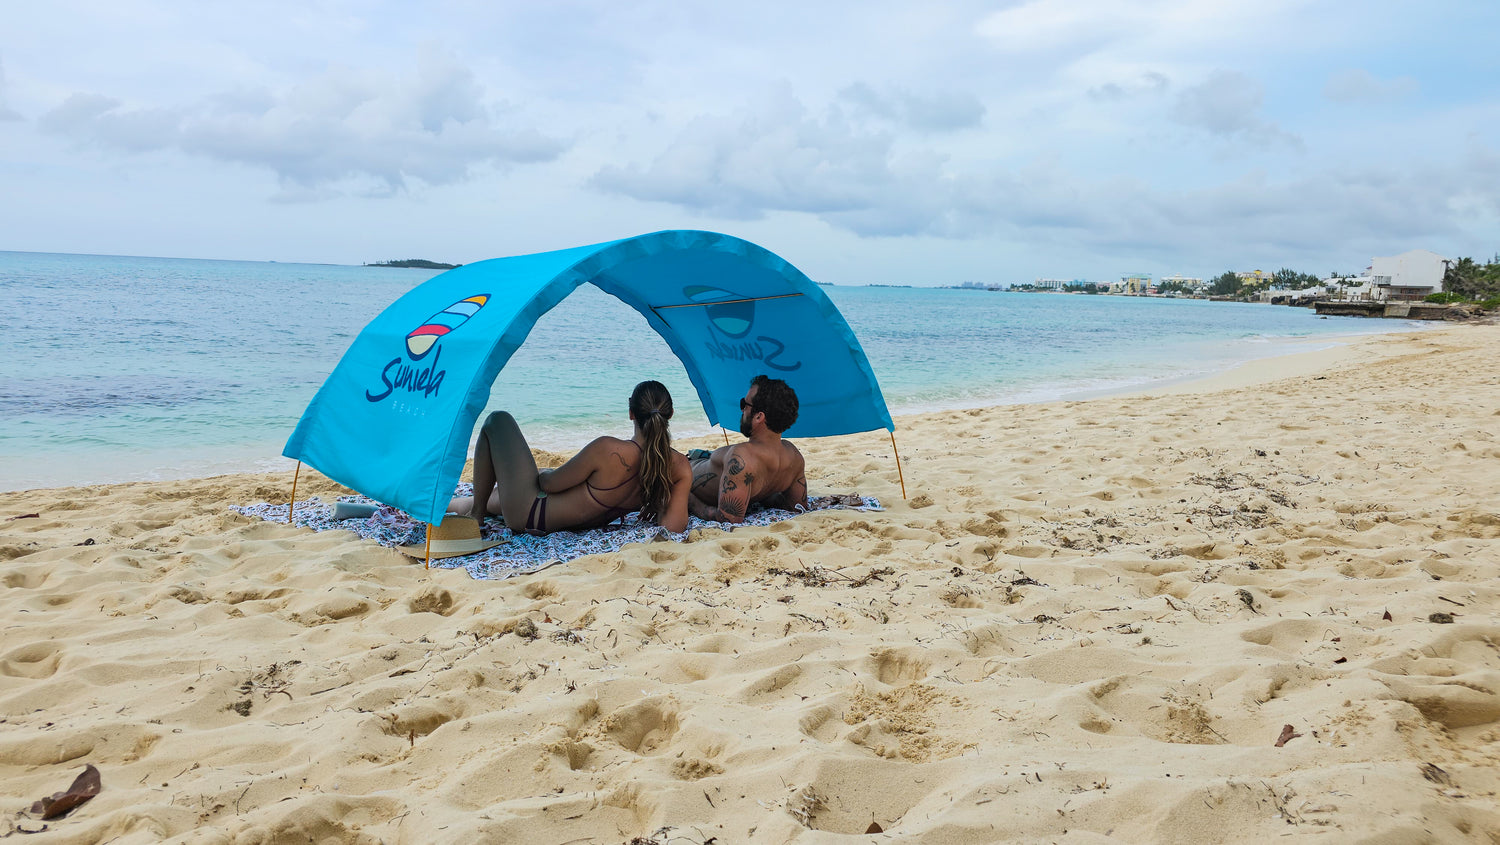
(733,317)
(426,380)
(421,339)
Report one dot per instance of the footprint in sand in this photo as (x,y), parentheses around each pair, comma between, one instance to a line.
(28,579)
(900,665)
(1453,679)
(692,768)
(432,599)
(1147,707)
(985,640)
(717,644)
(1291,636)
(537,590)
(986,526)
(341,605)
(419,719)
(34,660)
(771,682)
(820,723)
(576,753)
(688,668)
(645,727)
(1464,701)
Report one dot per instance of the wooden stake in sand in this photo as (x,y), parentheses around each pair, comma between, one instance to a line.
(427,564)
(898,464)
(293,503)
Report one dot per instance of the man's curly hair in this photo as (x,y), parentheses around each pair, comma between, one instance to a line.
(777,401)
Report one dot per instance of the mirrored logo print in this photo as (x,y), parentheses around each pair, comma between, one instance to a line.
(731,318)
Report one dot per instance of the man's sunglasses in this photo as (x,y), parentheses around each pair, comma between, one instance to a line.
(744,405)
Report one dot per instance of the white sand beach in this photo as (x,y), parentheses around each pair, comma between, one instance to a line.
(1090,622)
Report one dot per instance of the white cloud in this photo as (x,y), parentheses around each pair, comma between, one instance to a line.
(1046,25)
(780,156)
(940,112)
(1150,82)
(343,127)
(6,113)
(1058,131)
(1173,27)
(1228,104)
(1358,85)
(775,157)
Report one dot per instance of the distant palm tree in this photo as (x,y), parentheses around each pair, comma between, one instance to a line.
(1463,277)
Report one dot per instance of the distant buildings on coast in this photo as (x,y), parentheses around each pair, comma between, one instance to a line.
(1408,277)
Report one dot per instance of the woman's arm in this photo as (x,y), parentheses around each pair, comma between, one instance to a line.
(576,471)
(674,517)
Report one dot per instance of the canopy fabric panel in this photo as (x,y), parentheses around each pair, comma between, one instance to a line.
(394,418)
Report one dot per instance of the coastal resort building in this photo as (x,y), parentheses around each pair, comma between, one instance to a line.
(1185,284)
(1255,279)
(1299,296)
(1049,284)
(1352,288)
(1408,277)
(1133,284)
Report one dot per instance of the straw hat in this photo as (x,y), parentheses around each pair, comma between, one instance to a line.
(455,537)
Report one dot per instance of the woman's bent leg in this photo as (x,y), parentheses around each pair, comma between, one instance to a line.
(504,471)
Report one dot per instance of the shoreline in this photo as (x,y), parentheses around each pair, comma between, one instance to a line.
(1278,364)
(1248,613)
(1340,351)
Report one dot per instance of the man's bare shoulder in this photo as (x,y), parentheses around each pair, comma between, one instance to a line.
(750,454)
(793,453)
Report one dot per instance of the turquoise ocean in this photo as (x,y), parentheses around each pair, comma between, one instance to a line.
(123,368)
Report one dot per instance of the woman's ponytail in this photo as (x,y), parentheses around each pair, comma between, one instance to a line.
(651,405)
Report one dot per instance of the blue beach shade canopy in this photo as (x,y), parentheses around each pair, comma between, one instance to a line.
(394,419)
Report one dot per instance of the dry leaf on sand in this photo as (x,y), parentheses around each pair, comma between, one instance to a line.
(58,804)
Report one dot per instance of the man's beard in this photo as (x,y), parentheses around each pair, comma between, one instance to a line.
(745,425)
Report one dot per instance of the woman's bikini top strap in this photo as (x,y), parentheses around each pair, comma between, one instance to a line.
(591,489)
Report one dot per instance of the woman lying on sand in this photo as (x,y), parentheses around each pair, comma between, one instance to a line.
(606,480)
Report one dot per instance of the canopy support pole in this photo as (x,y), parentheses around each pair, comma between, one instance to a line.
(293,503)
(726,434)
(899,475)
(428,563)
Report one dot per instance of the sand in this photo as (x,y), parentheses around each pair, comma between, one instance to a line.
(1090,623)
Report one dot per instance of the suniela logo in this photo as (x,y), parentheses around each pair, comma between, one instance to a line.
(426,380)
(733,318)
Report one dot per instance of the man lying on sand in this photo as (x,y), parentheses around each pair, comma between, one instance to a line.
(766,470)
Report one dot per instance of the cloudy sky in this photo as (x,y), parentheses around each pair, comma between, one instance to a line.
(926,143)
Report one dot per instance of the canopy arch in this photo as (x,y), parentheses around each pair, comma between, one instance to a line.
(394,418)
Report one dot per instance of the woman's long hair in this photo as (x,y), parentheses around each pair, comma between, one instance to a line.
(651,405)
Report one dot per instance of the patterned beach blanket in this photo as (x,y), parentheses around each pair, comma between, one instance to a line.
(520,554)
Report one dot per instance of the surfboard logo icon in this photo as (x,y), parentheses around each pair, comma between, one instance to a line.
(420,340)
(733,314)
